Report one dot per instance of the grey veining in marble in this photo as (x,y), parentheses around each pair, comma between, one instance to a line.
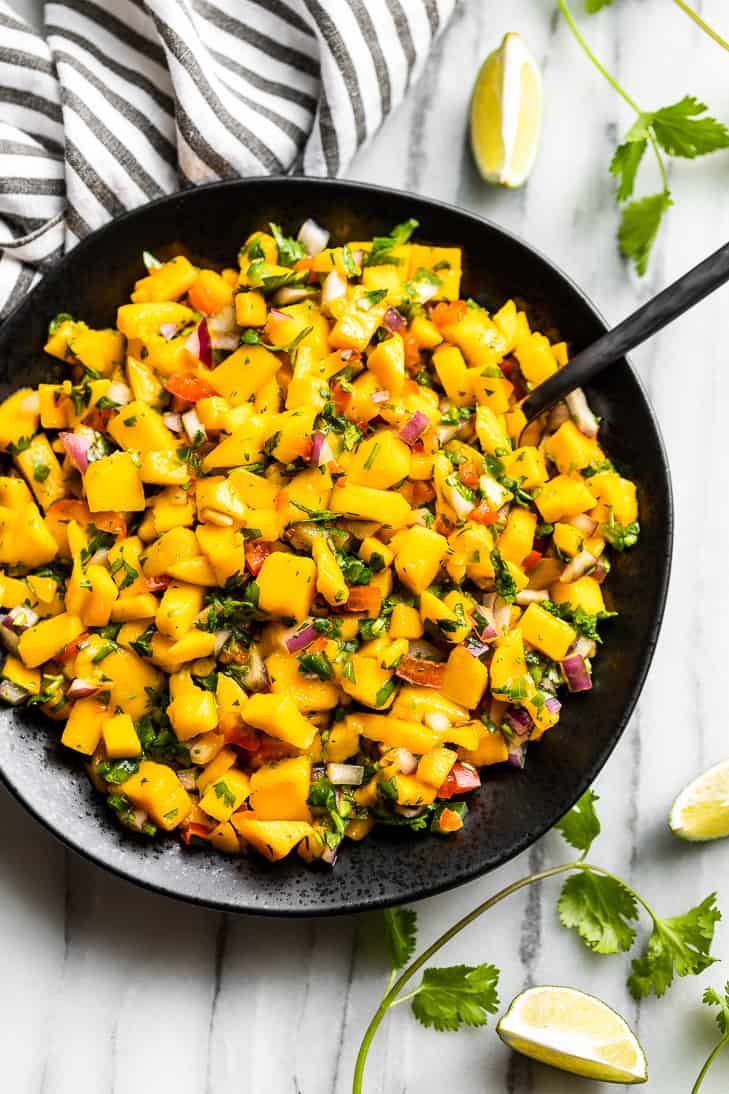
(111,990)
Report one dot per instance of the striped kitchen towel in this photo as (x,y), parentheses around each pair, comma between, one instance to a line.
(125,100)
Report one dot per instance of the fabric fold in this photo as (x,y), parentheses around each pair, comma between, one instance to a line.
(111,108)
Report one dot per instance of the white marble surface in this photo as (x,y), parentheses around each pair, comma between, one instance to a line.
(111,990)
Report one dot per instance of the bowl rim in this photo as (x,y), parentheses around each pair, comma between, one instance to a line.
(423,891)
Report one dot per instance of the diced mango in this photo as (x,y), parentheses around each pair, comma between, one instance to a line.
(287,585)
(546,632)
(465,678)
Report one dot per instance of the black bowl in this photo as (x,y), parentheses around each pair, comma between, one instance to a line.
(514,807)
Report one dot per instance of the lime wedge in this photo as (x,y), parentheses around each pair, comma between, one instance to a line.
(701,810)
(574,1032)
(506,113)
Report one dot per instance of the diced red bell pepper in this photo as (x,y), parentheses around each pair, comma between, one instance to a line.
(364,598)
(531,560)
(188,832)
(189,387)
(468,473)
(340,398)
(242,738)
(417,670)
(483,515)
(256,554)
(450,821)
(512,371)
(460,780)
(70,650)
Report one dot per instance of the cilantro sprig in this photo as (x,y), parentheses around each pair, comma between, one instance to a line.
(602,909)
(682,129)
(712,998)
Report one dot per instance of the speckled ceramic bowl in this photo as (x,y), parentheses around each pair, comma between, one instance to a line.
(513,808)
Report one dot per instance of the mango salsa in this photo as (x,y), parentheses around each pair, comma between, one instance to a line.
(278,556)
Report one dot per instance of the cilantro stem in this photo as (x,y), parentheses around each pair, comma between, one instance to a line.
(570,20)
(708,1062)
(692,14)
(390,997)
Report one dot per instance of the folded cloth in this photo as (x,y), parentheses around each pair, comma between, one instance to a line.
(126,100)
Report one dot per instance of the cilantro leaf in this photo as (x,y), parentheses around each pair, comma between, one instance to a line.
(401,926)
(639,227)
(289,250)
(678,946)
(712,999)
(503,580)
(593,6)
(461,995)
(599,909)
(581,826)
(382,246)
(620,535)
(680,132)
(624,165)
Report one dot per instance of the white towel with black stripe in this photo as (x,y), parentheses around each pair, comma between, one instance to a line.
(120,102)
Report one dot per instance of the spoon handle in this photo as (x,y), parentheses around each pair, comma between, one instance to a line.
(646,321)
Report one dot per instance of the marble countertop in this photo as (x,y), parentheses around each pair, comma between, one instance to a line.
(109,989)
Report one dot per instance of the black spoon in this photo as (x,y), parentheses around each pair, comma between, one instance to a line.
(646,321)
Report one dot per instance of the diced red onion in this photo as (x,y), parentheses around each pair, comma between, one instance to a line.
(483,622)
(173,422)
(553,704)
(150,262)
(329,855)
(313,237)
(321,450)
(414,426)
(157,584)
(77,447)
(404,759)
(22,617)
(437,722)
(584,646)
(333,288)
(577,566)
(394,321)
(303,638)
(600,572)
(31,403)
(424,291)
(199,345)
(359,257)
(293,294)
(223,322)
(99,557)
(345,774)
(519,720)
(136,819)
(119,393)
(318,771)
(192,424)
(378,397)
(475,648)
(583,523)
(12,693)
(575,673)
(557,416)
(221,637)
(168,330)
(82,689)
(530,596)
(188,778)
(585,420)
(517,754)
(502,615)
